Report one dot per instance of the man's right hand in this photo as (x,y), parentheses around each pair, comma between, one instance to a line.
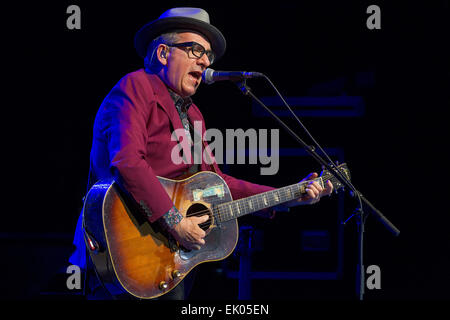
(188,233)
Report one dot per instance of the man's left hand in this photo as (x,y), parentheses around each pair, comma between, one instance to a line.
(314,191)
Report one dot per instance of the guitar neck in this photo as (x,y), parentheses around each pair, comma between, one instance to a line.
(238,208)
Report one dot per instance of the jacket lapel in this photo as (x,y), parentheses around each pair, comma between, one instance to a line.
(165,101)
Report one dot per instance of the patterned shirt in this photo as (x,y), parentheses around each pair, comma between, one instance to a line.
(173,216)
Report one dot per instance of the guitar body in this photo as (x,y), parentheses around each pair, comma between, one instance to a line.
(132,256)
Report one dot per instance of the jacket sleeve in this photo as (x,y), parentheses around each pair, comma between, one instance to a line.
(126,113)
(240,188)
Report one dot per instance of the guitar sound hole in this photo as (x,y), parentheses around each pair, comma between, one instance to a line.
(198,209)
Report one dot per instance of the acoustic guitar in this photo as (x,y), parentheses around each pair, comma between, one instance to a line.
(132,256)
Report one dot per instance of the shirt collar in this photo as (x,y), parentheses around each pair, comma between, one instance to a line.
(182,104)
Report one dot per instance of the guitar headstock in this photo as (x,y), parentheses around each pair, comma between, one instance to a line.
(337,185)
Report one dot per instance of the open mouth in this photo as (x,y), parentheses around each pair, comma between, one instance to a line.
(197,75)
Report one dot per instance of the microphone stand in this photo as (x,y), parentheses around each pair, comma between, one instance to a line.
(359,212)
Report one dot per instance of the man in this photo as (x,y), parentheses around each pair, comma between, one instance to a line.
(134,125)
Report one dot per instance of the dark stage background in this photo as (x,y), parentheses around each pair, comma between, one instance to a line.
(396,149)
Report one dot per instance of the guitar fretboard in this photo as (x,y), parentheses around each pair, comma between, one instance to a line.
(235,209)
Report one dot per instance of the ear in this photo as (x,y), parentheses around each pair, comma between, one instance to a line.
(161,54)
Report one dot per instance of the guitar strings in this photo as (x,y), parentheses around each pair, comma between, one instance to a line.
(257,201)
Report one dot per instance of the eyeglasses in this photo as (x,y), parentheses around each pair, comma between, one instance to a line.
(196,49)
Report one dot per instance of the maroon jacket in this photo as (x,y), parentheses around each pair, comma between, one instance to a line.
(132,142)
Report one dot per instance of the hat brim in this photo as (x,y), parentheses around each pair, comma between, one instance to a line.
(155,28)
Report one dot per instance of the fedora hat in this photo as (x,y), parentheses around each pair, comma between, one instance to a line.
(185,19)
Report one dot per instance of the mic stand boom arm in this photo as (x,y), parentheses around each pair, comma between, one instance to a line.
(342,179)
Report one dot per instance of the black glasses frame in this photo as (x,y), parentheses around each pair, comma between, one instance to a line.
(196,49)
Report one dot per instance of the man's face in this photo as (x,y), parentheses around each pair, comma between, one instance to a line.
(183,71)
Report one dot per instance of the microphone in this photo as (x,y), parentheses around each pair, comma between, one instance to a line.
(210,76)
